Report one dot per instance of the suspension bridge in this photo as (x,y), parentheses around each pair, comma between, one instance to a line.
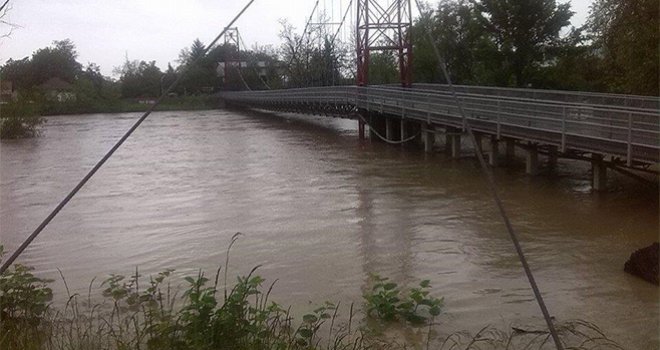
(609,130)
(616,131)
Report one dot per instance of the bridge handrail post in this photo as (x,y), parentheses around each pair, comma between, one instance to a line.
(563,129)
(629,150)
(428,109)
(499,124)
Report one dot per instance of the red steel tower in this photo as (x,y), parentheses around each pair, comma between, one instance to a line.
(384,28)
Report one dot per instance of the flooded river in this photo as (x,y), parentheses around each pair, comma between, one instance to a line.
(320,210)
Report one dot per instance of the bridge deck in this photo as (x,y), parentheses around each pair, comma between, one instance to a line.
(627,127)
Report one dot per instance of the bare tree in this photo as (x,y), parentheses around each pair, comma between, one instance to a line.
(4,10)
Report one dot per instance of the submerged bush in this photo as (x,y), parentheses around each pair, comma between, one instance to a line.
(19,120)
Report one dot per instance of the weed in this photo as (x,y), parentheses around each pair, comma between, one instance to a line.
(386,301)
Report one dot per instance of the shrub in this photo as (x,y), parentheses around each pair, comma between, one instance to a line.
(18,120)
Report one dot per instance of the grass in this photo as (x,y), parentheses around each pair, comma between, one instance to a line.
(150,312)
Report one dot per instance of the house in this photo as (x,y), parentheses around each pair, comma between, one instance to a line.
(56,89)
(7,92)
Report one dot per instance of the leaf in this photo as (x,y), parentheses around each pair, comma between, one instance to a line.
(305,333)
(389,286)
(309,318)
(425,283)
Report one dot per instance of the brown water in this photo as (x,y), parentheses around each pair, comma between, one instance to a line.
(320,210)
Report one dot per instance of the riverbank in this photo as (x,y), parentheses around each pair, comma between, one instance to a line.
(180,103)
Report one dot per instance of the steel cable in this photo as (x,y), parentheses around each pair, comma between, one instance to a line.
(490,179)
(114,148)
(384,138)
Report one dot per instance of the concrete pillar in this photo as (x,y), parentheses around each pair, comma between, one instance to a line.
(494,151)
(429,137)
(532,160)
(404,133)
(553,155)
(477,138)
(598,172)
(455,140)
(389,128)
(510,149)
(361,129)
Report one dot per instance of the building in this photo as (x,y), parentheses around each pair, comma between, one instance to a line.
(56,89)
(7,92)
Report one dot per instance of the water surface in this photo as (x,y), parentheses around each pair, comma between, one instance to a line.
(320,210)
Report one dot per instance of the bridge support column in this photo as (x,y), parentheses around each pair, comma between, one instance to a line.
(361,129)
(532,160)
(510,150)
(428,136)
(598,172)
(404,131)
(494,151)
(455,145)
(553,155)
(389,129)
(477,138)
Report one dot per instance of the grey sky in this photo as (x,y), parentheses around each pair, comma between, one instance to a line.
(104,31)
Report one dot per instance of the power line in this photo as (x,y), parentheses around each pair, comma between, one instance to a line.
(114,148)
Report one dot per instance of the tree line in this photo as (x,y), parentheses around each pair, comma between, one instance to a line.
(509,43)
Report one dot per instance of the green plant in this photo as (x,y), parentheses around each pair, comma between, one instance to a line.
(24,300)
(18,120)
(386,301)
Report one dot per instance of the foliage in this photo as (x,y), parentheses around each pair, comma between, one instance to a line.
(140,79)
(626,34)
(19,120)
(386,301)
(24,301)
(314,58)
(523,30)
(148,313)
(57,61)
(469,51)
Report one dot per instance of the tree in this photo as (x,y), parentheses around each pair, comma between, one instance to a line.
(4,10)
(201,75)
(58,61)
(383,68)
(140,79)
(625,32)
(523,30)
(314,58)
(468,49)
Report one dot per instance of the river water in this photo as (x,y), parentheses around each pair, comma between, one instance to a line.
(320,210)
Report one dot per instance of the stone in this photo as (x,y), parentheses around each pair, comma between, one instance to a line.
(644,263)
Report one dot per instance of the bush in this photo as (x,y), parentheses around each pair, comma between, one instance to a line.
(19,120)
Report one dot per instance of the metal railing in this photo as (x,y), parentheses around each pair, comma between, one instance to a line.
(632,133)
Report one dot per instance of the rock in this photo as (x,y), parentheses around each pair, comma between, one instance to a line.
(644,263)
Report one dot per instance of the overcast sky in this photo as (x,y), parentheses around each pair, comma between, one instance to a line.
(105,31)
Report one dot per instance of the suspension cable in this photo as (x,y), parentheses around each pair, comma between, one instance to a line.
(240,75)
(114,148)
(299,42)
(240,38)
(490,180)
